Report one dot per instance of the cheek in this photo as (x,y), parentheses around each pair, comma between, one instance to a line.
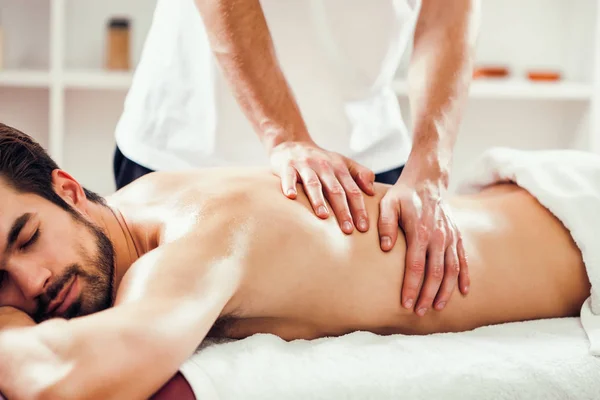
(57,249)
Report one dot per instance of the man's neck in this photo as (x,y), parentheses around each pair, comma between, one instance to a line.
(127,245)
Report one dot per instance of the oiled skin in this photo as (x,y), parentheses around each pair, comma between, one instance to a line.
(304,278)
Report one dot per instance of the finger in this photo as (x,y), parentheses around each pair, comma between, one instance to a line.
(434,273)
(416,251)
(356,200)
(363,176)
(289,179)
(464,282)
(337,198)
(451,268)
(388,222)
(314,191)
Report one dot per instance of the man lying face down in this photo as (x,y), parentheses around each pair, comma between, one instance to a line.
(152,270)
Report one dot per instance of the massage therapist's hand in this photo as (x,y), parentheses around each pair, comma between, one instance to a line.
(435,253)
(325,175)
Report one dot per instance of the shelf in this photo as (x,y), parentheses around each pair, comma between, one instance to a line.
(84,79)
(98,79)
(24,78)
(507,89)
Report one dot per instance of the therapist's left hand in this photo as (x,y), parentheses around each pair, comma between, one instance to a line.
(435,253)
(325,175)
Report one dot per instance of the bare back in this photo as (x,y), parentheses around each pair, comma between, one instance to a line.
(304,278)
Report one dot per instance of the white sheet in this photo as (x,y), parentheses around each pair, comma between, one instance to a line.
(566,182)
(548,359)
(545,359)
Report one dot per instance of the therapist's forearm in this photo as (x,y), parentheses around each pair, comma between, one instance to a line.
(439,76)
(242,44)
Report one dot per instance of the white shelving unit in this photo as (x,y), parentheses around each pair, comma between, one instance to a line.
(98,80)
(55,64)
(520,90)
(83,79)
(26,79)
(54,87)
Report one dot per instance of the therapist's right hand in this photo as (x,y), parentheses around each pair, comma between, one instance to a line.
(325,175)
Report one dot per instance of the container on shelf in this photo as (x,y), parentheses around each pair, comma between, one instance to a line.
(118,44)
(541,75)
(491,71)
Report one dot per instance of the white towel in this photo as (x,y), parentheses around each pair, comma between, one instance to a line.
(545,359)
(566,182)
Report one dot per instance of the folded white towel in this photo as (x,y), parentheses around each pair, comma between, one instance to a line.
(566,182)
(546,359)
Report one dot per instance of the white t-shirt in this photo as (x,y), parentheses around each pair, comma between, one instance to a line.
(339,57)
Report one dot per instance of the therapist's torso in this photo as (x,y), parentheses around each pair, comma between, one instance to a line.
(339,57)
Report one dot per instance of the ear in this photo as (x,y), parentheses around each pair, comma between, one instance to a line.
(69,190)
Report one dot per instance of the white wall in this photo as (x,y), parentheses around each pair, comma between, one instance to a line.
(26,26)
(27,110)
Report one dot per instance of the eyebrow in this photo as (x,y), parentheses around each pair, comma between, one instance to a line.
(15,230)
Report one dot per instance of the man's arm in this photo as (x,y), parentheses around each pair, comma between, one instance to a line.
(439,76)
(166,304)
(243,47)
(11,317)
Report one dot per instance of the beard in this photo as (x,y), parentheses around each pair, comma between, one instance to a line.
(96,281)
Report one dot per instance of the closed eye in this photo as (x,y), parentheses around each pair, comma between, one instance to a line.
(31,240)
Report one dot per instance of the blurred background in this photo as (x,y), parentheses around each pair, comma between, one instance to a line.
(63,81)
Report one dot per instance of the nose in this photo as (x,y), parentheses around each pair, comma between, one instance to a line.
(31,279)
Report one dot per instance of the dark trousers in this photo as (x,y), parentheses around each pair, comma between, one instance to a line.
(390,177)
(127,171)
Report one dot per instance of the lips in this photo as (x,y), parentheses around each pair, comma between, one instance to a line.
(61,296)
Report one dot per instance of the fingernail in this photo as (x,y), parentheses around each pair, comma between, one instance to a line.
(362,224)
(291,192)
(322,210)
(347,226)
(466,289)
(408,303)
(441,305)
(421,311)
(386,242)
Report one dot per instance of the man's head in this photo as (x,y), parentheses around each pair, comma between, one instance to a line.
(54,261)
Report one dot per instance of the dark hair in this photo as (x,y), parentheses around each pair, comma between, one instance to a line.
(27,167)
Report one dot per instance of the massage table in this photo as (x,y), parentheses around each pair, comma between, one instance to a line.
(545,359)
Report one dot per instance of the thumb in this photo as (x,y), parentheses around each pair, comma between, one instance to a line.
(389,214)
(363,176)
